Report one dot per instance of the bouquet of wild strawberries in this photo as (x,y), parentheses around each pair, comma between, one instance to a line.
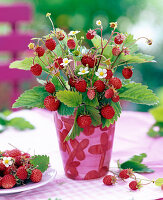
(81,81)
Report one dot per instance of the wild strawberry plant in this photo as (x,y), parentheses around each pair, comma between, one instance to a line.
(81,81)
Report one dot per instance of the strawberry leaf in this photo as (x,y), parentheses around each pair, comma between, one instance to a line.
(20,123)
(32,98)
(65,110)
(94,102)
(69,98)
(57,83)
(136,166)
(28,62)
(135,163)
(41,162)
(138,93)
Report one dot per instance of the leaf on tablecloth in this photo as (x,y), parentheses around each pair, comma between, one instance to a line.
(135,163)
(41,162)
(20,123)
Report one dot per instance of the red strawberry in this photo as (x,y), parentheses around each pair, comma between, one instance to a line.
(84,60)
(40,51)
(60,35)
(91,61)
(81,85)
(99,85)
(134,185)
(18,161)
(2,166)
(115,98)
(26,155)
(57,63)
(36,176)
(109,180)
(84,121)
(14,152)
(8,170)
(51,103)
(107,112)
(90,34)
(127,72)
(91,93)
(49,87)
(8,181)
(109,74)
(5,153)
(0,181)
(124,174)
(109,93)
(22,173)
(71,44)
(116,82)
(36,70)
(50,44)
(119,38)
(116,51)
(71,82)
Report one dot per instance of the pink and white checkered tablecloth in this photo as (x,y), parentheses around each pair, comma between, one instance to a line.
(130,139)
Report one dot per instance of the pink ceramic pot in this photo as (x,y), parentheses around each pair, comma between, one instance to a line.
(88,155)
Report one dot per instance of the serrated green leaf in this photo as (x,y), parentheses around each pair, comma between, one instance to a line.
(32,98)
(159,182)
(20,123)
(57,83)
(129,43)
(41,162)
(137,167)
(65,110)
(94,102)
(138,93)
(157,113)
(69,98)
(133,58)
(26,63)
(94,114)
(138,158)
(108,122)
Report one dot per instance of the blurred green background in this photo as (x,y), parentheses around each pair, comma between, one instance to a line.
(139,17)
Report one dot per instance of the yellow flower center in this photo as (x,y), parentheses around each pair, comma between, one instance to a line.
(66,61)
(83,71)
(74,32)
(6,161)
(101,73)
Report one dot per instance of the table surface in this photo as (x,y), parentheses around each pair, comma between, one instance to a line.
(130,138)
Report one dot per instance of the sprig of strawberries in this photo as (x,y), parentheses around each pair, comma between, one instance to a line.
(16,169)
(124,174)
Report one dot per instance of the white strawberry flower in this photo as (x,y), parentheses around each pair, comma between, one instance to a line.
(98,23)
(83,71)
(7,161)
(73,33)
(66,61)
(101,73)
